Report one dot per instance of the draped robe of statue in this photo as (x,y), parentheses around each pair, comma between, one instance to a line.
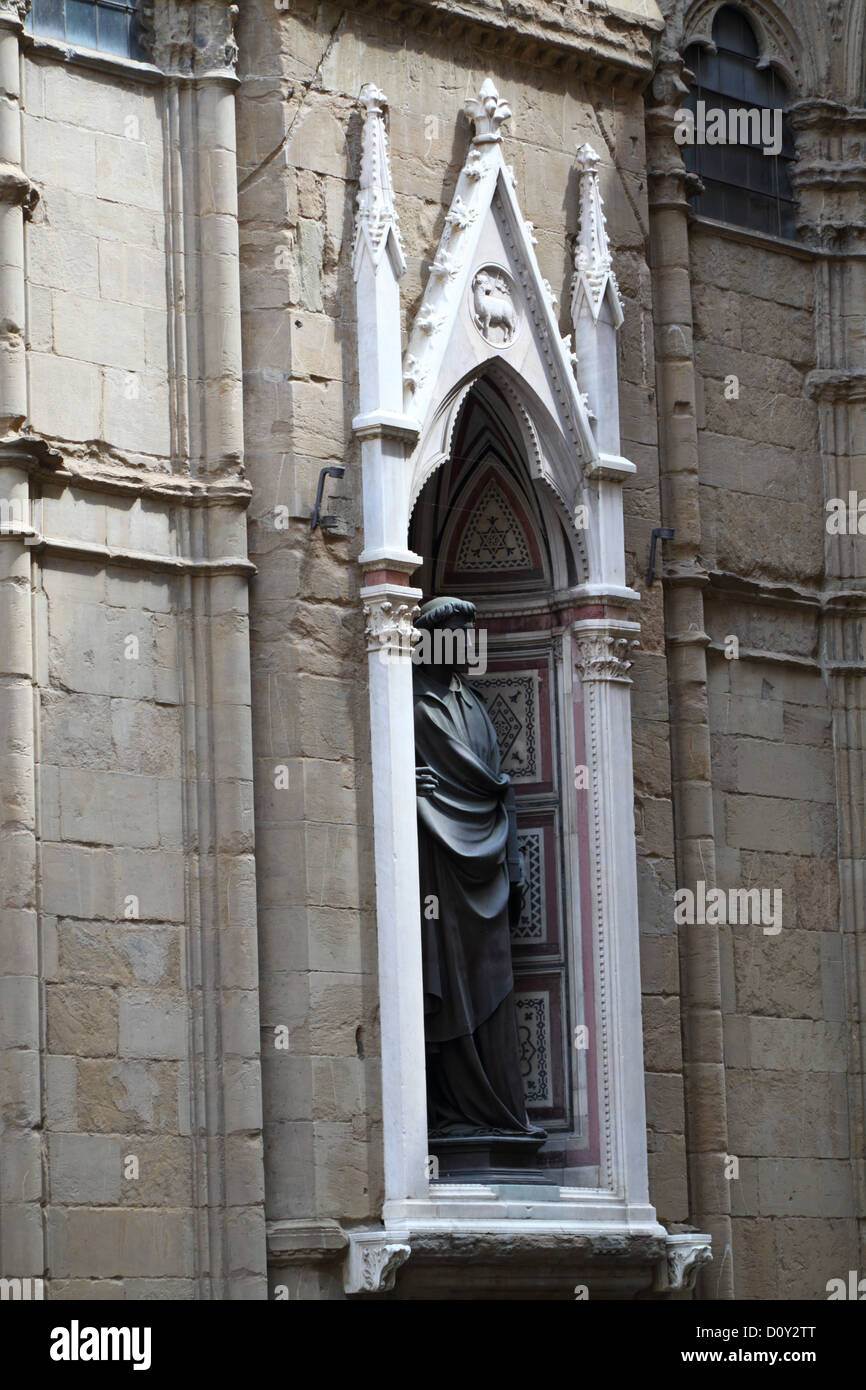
(469,861)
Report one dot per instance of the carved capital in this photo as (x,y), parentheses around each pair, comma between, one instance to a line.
(389,626)
(373,1261)
(487,112)
(603,656)
(15,11)
(190,38)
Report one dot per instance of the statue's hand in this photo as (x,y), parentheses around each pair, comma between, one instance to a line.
(426,781)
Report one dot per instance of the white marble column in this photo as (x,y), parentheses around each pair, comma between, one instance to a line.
(602,648)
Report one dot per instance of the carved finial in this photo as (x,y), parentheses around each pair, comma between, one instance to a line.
(593,271)
(487,112)
(376,224)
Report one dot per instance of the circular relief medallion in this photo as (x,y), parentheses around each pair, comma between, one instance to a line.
(493,306)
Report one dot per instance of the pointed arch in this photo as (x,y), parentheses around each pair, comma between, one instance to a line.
(777,37)
(547,457)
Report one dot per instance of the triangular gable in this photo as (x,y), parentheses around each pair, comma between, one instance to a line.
(486,301)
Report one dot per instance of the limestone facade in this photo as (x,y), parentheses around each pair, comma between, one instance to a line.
(194,1024)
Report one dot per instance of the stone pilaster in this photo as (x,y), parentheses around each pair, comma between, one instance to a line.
(684,579)
(17,197)
(21,1233)
(193,42)
(389,609)
(830,179)
(601,648)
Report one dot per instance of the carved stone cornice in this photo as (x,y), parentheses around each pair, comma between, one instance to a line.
(190,38)
(831,386)
(603,656)
(542,33)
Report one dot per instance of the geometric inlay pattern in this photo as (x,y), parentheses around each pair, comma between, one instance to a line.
(531,926)
(493,538)
(512,703)
(533,1030)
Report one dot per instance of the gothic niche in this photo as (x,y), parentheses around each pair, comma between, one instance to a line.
(491,535)
(493,306)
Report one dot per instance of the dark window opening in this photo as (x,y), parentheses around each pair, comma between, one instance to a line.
(742,184)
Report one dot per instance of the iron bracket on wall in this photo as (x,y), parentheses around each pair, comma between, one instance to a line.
(660,533)
(335,470)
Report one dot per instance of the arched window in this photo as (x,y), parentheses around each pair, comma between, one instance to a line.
(743,184)
(107,25)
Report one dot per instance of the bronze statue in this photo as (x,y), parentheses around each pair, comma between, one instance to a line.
(471,891)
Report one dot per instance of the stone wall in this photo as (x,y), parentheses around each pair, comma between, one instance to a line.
(775,795)
(299,154)
(131,1115)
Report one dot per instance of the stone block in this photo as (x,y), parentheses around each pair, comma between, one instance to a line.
(810,1252)
(787,1114)
(774,1044)
(19,1012)
(60,156)
(120,1097)
(127,1242)
(135,167)
(60,1093)
(94,330)
(667,1178)
(18,941)
(661,1033)
(21,1170)
(145,738)
(84,1169)
(135,410)
(792,1187)
(343,1173)
(778,975)
(768,823)
(108,808)
(164,1172)
(63,259)
(151,1025)
(664,1102)
(82,1020)
(290,1172)
(65,396)
(754,1253)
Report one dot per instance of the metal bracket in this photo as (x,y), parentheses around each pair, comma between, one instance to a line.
(335,470)
(660,533)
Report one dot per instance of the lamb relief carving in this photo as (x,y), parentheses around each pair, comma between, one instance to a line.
(493,309)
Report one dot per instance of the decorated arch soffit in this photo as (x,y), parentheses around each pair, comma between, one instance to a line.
(777,38)
(487,311)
